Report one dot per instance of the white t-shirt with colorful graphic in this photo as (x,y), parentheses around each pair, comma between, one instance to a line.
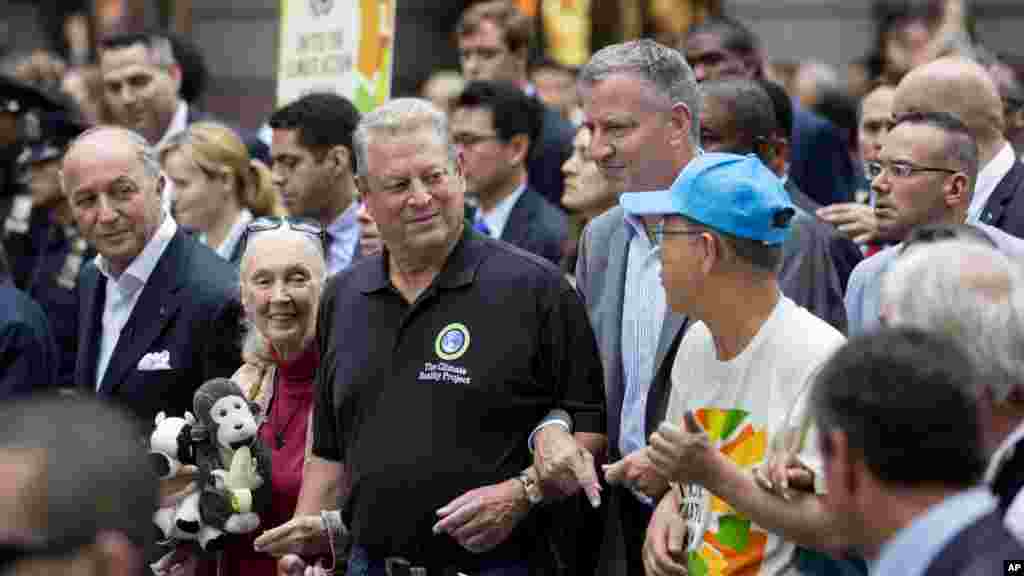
(745,404)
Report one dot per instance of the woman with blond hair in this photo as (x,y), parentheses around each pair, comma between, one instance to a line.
(218,188)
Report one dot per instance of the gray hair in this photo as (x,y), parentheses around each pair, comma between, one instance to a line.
(147,155)
(662,67)
(396,117)
(970,292)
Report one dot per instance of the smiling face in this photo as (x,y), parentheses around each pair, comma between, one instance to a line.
(282,274)
(114,200)
(141,95)
(414,192)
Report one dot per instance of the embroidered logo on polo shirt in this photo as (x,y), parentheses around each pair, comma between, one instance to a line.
(452,342)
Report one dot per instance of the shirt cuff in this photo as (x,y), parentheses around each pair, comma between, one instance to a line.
(557,417)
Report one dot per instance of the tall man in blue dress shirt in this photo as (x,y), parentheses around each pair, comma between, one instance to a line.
(641,102)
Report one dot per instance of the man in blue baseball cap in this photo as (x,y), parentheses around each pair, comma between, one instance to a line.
(739,370)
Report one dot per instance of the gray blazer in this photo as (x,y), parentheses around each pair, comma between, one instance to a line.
(600,280)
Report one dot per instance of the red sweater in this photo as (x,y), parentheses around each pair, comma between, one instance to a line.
(284,431)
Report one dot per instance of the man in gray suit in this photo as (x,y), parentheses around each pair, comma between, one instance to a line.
(642,105)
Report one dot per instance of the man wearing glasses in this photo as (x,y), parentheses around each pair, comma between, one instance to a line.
(158,312)
(925,174)
(740,368)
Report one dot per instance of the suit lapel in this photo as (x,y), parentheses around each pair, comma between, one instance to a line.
(157,304)
(992,213)
(90,317)
(517,228)
(611,330)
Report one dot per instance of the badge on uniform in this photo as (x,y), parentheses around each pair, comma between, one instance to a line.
(452,342)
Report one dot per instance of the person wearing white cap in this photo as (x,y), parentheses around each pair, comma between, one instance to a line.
(739,371)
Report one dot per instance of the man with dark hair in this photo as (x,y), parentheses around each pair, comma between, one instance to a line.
(925,174)
(905,494)
(76,492)
(821,165)
(314,168)
(738,117)
(495,126)
(141,81)
(28,354)
(738,372)
(493,40)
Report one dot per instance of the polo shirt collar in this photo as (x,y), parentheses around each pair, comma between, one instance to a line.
(459,269)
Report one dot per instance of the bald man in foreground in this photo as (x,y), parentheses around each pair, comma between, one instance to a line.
(965,89)
(158,311)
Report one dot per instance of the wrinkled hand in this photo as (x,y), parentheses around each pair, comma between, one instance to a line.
(293,565)
(181,561)
(853,220)
(783,474)
(637,472)
(484,517)
(295,536)
(664,550)
(563,466)
(683,455)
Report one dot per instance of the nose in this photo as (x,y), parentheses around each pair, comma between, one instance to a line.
(238,426)
(419,195)
(569,168)
(107,213)
(277,178)
(600,148)
(880,184)
(700,72)
(470,66)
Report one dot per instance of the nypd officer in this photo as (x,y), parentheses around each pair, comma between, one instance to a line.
(44,247)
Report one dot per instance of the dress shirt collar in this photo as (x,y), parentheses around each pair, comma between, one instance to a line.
(143,265)
(345,222)
(1003,453)
(497,217)
(179,122)
(911,550)
(227,247)
(988,178)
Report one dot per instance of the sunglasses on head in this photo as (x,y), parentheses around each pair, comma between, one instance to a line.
(304,225)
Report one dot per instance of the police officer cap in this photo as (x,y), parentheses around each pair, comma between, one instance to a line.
(17,97)
(56,130)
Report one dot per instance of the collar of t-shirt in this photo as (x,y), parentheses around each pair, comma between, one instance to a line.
(1003,453)
(988,178)
(459,269)
(179,122)
(141,268)
(912,549)
(497,217)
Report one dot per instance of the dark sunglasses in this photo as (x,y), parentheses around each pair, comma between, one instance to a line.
(304,225)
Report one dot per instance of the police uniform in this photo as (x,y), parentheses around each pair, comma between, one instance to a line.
(46,256)
(427,401)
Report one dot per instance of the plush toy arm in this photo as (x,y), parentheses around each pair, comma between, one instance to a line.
(215,508)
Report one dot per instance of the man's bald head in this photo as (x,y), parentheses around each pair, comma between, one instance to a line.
(960,87)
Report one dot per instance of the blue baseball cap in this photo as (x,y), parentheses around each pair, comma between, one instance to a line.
(734,194)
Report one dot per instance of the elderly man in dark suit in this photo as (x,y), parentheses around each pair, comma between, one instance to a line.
(645,131)
(158,312)
(496,126)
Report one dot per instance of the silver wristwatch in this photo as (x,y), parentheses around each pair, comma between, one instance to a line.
(533,492)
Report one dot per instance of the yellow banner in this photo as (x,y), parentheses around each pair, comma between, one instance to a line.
(336,46)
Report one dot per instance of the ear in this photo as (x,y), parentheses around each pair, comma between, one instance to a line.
(681,121)
(957,191)
(713,250)
(520,146)
(341,156)
(175,73)
(844,471)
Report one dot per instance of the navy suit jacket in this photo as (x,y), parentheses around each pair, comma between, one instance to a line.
(28,354)
(1005,208)
(544,167)
(820,162)
(536,226)
(189,308)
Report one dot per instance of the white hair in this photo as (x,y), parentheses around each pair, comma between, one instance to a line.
(398,117)
(970,292)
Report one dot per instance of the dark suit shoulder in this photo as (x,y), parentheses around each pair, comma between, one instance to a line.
(207,274)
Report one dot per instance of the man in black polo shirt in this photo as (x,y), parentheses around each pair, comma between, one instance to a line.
(439,359)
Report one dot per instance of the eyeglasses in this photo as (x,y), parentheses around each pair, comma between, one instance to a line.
(304,225)
(660,232)
(900,169)
(471,140)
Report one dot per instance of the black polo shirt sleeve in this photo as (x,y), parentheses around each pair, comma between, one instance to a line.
(326,441)
(570,357)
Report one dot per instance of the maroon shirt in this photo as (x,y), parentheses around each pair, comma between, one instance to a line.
(284,431)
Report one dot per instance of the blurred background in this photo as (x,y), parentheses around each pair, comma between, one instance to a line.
(853,42)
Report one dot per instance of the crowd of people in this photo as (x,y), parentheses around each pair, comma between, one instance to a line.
(668,313)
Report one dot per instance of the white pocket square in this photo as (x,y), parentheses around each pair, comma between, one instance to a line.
(155,361)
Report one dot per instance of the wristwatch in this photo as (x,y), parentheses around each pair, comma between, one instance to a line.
(533,493)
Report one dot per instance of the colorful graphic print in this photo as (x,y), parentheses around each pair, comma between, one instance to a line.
(730,544)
